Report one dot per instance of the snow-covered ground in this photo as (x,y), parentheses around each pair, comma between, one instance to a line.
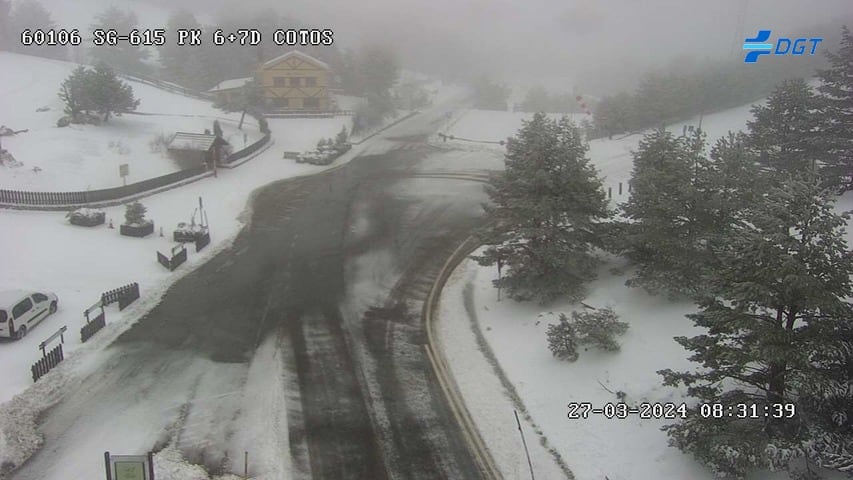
(78,263)
(82,157)
(594,448)
(45,252)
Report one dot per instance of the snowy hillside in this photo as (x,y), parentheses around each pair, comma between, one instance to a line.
(612,158)
(81,157)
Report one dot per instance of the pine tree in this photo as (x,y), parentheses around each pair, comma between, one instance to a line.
(837,91)
(667,214)
(598,328)
(75,92)
(124,57)
(97,90)
(785,131)
(727,183)
(108,94)
(546,211)
(217,129)
(777,325)
(563,340)
(134,214)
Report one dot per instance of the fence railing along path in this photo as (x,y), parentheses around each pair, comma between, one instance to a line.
(104,197)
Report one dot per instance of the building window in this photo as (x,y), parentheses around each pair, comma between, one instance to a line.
(311,102)
(279,81)
(311,81)
(280,102)
(294,81)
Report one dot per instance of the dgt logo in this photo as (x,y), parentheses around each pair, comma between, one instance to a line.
(758,46)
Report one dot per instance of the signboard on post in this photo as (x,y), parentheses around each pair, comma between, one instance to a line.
(129,467)
(124,171)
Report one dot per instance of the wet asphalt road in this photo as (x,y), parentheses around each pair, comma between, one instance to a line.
(336,267)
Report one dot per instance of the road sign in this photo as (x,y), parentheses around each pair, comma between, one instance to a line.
(129,470)
(124,171)
(129,467)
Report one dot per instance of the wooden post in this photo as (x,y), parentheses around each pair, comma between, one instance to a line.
(150,465)
(107,465)
(609,193)
(245,465)
(500,264)
(620,188)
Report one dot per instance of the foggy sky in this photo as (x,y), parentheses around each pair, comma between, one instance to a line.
(550,41)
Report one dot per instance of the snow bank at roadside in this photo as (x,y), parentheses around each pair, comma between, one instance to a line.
(487,399)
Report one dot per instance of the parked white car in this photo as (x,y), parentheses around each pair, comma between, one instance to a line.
(22,310)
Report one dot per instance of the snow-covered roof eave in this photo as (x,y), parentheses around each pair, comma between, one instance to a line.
(279,58)
(230,84)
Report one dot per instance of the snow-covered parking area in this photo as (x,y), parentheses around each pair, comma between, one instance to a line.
(43,251)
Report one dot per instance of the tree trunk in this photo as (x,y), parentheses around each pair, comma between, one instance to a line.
(776,370)
(777,378)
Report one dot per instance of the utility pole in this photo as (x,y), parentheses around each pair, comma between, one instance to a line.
(523,442)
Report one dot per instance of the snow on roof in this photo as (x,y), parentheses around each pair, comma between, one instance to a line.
(231,84)
(199,142)
(295,53)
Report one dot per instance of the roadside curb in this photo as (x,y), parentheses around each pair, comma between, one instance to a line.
(471,434)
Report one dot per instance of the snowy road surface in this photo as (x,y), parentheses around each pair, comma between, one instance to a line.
(302,344)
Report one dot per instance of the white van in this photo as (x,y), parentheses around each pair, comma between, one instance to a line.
(21,311)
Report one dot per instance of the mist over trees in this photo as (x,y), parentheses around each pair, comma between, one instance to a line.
(669,95)
(489,95)
(123,57)
(538,99)
(378,68)
(28,15)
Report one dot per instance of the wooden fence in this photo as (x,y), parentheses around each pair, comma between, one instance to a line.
(16,197)
(248,150)
(80,198)
(202,241)
(179,256)
(123,295)
(50,360)
(93,326)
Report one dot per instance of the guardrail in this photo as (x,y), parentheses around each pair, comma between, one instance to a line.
(445,379)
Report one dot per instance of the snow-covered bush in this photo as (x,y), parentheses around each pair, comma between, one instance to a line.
(158,143)
(86,217)
(134,214)
(118,147)
(598,328)
(563,340)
